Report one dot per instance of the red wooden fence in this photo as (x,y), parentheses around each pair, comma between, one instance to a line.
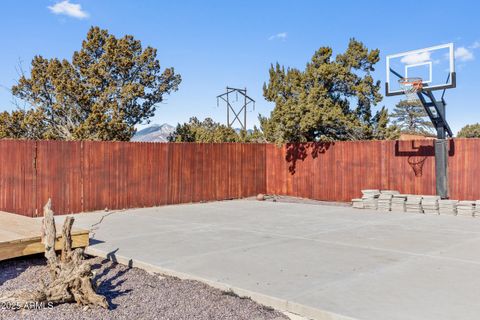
(85,176)
(338,171)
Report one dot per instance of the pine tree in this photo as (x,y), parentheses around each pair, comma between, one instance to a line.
(330,100)
(203,131)
(411,117)
(381,128)
(470,131)
(21,124)
(210,131)
(110,85)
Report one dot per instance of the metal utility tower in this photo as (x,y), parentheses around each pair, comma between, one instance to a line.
(237,114)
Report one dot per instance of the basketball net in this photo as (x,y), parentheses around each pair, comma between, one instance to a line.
(411,86)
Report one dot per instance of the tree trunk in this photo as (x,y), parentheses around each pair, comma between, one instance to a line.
(71,277)
(49,233)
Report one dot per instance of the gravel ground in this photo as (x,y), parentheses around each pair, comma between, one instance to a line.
(133,294)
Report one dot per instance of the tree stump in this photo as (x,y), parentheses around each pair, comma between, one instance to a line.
(71,277)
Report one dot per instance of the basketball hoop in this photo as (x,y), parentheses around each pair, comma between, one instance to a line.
(411,86)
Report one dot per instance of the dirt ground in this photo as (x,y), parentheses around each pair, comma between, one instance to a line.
(132,294)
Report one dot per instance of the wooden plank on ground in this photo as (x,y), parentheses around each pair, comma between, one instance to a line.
(20,236)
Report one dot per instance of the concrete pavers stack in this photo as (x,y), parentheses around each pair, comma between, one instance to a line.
(398,202)
(466,208)
(448,207)
(392,200)
(370,198)
(385,201)
(414,204)
(392,192)
(430,204)
(357,203)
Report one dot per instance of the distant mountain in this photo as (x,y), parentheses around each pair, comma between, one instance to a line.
(160,133)
(238,130)
(154,133)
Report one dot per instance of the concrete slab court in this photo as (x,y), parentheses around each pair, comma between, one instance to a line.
(319,261)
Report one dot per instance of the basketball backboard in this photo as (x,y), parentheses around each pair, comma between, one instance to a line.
(434,65)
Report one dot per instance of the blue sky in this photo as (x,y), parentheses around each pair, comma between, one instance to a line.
(213,44)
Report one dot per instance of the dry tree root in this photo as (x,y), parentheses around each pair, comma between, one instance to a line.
(70,276)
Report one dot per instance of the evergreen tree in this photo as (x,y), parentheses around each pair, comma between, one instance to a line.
(203,131)
(256,136)
(21,124)
(381,128)
(110,85)
(411,117)
(330,100)
(470,131)
(211,131)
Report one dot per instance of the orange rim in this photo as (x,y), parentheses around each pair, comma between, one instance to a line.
(415,83)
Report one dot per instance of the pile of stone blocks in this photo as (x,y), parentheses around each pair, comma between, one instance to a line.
(466,208)
(414,204)
(399,202)
(430,204)
(385,201)
(370,198)
(392,200)
(357,203)
(448,207)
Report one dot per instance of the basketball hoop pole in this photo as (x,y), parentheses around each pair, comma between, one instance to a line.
(436,112)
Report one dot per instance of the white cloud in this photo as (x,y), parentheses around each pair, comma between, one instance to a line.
(279,36)
(463,54)
(475,45)
(416,58)
(69,9)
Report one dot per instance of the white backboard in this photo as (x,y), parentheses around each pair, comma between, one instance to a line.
(435,65)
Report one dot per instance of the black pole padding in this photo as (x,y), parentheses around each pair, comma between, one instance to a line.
(441,167)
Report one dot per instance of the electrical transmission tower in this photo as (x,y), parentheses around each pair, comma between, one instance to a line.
(236,114)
